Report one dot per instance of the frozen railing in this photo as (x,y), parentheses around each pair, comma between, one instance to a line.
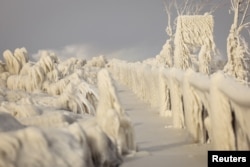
(230,103)
(215,107)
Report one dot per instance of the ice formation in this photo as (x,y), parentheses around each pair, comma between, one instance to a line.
(237,48)
(194,32)
(47,106)
(14,62)
(165,56)
(111,116)
(213,108)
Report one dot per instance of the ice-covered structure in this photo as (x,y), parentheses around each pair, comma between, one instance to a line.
(112,118)
(213,108)
(194,32)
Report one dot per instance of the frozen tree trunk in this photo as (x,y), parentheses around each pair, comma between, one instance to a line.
(236,51)
(237,48)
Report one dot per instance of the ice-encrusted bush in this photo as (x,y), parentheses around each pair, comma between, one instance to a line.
(45,76)
(165,57)
(99,61)
(12,64)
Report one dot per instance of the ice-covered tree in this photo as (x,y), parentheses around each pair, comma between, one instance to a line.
(165,56)
(237,48)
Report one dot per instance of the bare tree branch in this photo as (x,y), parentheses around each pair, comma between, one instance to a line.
(233,2)
(248,30)
(167,9)
(247,16)
(245,12)
(199,6)
(177,8)
(183,10)
(243,26)
(194,7)
(215,7)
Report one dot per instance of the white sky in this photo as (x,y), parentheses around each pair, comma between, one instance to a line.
(131,29)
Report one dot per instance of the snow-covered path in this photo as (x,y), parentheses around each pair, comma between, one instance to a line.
(159,144)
